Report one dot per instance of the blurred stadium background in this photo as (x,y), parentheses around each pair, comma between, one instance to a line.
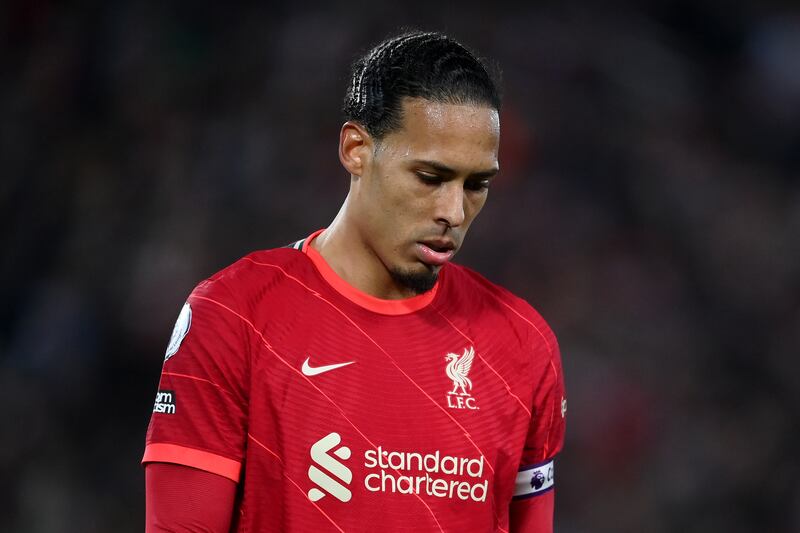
(648,206)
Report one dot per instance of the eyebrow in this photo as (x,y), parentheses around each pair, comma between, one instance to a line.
(444,169)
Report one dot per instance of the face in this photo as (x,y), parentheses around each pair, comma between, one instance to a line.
(421,186)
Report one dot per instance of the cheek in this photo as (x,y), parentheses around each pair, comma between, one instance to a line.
(400,200)
(392,211)
(473,206)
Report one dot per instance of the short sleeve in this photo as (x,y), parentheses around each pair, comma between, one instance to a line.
(200,412)
(546,431)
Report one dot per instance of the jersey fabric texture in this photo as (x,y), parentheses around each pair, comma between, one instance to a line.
(338,411)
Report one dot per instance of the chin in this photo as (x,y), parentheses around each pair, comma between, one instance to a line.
(417,280)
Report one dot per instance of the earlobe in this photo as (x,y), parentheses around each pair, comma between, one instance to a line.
(355,147)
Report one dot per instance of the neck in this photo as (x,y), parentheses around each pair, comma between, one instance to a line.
(349,255)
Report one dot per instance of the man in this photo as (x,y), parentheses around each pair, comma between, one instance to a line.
(358,380)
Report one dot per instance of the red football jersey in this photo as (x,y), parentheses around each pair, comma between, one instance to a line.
(336,410)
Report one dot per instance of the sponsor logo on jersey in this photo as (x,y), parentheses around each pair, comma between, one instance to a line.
(165,402)
(309,370)
(180,330)
(534,480)
(333,467)
(457,370)
(563,407)
(434,474)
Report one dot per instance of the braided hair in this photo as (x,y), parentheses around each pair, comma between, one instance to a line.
(415,64)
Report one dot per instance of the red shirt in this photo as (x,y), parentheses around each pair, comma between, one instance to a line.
(335,410)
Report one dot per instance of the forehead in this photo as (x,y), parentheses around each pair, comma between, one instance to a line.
(445,131)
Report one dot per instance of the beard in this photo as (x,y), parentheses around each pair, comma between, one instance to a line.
(416,281)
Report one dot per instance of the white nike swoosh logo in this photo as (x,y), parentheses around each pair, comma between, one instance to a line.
(309,370)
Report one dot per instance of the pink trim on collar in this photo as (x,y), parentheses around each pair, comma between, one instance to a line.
(367,301)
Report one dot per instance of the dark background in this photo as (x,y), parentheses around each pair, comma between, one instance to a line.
(648,206)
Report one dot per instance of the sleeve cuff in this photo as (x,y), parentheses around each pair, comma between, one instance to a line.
(210,462)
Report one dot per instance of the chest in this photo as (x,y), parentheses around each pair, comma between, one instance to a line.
(412,383)
(415,416)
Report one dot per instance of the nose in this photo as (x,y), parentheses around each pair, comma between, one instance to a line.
(450,204)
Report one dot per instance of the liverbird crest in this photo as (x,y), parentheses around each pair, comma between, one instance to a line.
(458,370)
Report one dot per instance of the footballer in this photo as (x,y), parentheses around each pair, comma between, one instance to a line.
(359,379)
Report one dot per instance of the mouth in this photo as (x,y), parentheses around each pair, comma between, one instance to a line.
(435,252)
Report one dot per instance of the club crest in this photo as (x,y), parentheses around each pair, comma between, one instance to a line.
(457,369)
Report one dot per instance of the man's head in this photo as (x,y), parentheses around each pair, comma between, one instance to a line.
(417,64)
(420,143)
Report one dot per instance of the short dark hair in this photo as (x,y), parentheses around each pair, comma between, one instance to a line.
(416,64)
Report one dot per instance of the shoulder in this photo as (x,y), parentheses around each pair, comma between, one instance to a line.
(255,273)
(474,291)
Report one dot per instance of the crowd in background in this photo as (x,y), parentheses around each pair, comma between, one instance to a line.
(648,206)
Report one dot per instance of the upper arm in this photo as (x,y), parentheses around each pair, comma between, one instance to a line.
(533,515)
(182,499)
(200,416)
(532,506)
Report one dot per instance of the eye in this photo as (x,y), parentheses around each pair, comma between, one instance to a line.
(427,177)
(477,185)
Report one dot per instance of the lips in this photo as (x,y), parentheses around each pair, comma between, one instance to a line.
(435,252)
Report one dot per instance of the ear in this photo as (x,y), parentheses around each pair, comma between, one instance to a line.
(355,148)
